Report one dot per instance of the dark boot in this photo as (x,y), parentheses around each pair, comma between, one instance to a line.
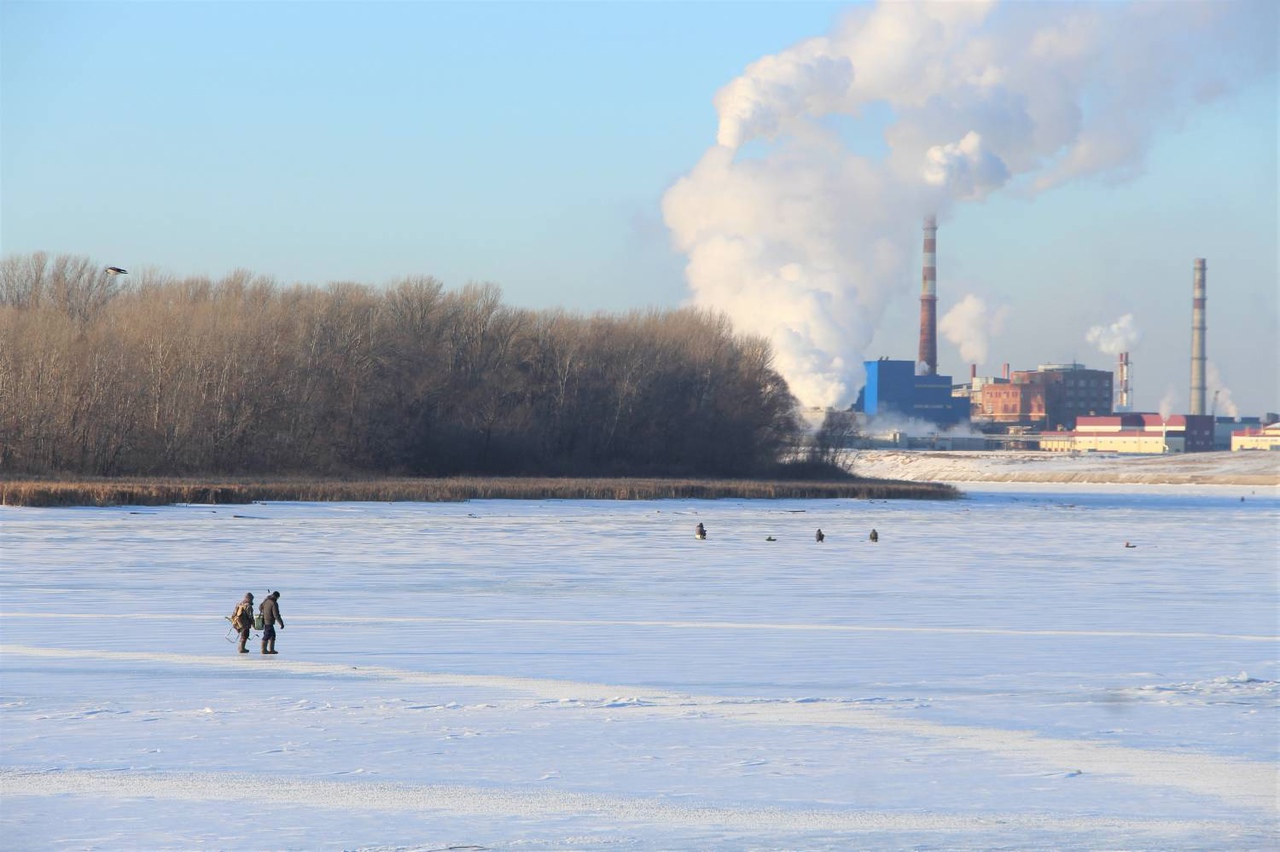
(243,649)
(264,647)
(271,647)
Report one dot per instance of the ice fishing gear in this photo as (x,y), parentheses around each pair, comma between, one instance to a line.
(232,633)
(259,622)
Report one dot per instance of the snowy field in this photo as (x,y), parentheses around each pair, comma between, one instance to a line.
(998,672)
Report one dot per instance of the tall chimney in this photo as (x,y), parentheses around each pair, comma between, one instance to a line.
(929,300)
(1197,339)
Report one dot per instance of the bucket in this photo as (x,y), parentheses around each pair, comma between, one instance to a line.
(258,623)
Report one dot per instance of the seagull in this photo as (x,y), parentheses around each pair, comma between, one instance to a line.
(115,270)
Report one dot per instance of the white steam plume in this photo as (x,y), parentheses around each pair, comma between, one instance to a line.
(1220,395)
(1121,336)
(970,326)
(799,238)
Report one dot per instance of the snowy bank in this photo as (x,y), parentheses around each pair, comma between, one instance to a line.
(1249,469)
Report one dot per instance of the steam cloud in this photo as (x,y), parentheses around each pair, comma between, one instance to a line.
(970,326)
(804,240)
(1121,336)
(1220,401)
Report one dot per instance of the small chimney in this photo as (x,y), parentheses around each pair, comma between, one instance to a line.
(973,372)
(1123,401)
(1006,372)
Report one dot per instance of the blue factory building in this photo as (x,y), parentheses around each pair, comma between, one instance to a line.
(894,389)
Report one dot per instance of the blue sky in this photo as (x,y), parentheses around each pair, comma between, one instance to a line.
(530,144)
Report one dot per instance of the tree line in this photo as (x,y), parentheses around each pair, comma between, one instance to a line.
(157,375)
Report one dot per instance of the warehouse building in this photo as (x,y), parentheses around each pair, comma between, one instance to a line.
(1260,438)
(1134,433)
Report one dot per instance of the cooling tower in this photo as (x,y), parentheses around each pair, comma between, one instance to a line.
(1197,338)
(928,360)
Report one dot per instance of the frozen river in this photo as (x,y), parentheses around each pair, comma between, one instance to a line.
(996,672)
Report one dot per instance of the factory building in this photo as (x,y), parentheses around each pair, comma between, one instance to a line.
(1134,433)
(913,389)
(1051,397)
(894,390)
(1224,428)
(1260,438)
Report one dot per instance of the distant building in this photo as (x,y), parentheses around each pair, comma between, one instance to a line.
(1258,438)
(1051,397)
(894,390)
(1225,427)
(1134,433)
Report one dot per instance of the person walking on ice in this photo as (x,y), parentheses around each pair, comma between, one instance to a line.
(270,610)
(242,620)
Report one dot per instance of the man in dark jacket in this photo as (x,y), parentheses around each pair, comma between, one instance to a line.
(270,610)
(242,619)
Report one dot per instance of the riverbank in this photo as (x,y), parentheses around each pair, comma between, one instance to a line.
(1255,469)
(139,491)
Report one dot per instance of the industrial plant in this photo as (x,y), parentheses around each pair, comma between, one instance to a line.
(1054,407)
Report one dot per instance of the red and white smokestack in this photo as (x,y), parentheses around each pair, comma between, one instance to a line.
(1123,402)
(1197,338)
(928,359)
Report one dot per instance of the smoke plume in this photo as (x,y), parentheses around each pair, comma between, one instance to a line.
(801,238)
(1222,404)
(1121,336)
(970,326)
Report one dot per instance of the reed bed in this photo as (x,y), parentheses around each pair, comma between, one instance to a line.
(165,492)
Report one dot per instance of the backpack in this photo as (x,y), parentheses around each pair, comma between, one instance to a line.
(242,616)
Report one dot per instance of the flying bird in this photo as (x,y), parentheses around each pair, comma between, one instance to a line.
(115,270)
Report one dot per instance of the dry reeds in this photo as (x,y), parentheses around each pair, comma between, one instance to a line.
(162,492)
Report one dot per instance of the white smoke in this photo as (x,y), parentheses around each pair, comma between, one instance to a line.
(1167,403)
(1121,336)
(1220,401)
(966,168)
(970,326)
(799,238)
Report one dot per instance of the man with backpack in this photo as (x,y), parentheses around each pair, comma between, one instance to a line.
(270,612)
(242,620)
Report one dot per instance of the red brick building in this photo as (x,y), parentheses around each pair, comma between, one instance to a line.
(1050,397)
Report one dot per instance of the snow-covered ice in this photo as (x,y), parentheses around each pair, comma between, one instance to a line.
(997,672)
